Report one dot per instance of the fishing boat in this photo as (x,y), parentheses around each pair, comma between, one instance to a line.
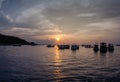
(50,45)
(110,47)
(74,47)
(96,48)
(63,46)
(103,47)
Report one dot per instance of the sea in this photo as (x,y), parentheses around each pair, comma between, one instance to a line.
(43,64)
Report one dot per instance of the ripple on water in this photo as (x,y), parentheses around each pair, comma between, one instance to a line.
(41,64)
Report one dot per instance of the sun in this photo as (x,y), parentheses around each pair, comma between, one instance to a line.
(57,39)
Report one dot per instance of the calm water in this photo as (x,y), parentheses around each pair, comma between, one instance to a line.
(42,64)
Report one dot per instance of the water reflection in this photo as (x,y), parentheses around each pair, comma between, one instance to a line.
(102,54)
(96,53)
(52,64)
(58,63)
(73,52)
(57,57)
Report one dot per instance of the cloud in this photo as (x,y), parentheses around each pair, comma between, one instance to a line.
(87,11)
(34,19)
(91,18)
(86,15)
(1,3)
(5,20)
(102,30)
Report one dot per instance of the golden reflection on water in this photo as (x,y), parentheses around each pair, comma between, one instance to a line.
(57,57)
(58,63)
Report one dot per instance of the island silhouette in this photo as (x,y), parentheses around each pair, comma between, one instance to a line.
(13,40)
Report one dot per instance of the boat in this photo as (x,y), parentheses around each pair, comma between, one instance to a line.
(66,46)
(88,46)
(63,46)
(110,47)
(96,48)
(74,47)
(117,44)
(103,47)
(50,45)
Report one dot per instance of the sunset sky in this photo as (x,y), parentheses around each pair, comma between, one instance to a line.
(69,20)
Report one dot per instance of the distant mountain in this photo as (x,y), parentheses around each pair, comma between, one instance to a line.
(12,40)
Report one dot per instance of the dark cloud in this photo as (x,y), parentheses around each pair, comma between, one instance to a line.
(15,7)
(71,17)
(106,8)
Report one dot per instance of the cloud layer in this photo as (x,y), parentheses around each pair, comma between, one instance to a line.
(84,19)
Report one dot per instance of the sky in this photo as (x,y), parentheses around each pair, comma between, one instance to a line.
(73,21)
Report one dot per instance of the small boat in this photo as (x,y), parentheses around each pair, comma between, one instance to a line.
(103,47)
(117,44)
(110,47)
(88,46)
(83,45)
(63,46)
(96,48)
(50,45)
(66,46)
(74,47)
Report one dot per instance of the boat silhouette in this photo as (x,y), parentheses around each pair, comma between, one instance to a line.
(50,45)
(110,47)
(74,47)
(96,48)
(63,46)
(103,47)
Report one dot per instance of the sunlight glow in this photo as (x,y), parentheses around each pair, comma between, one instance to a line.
(57,39)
